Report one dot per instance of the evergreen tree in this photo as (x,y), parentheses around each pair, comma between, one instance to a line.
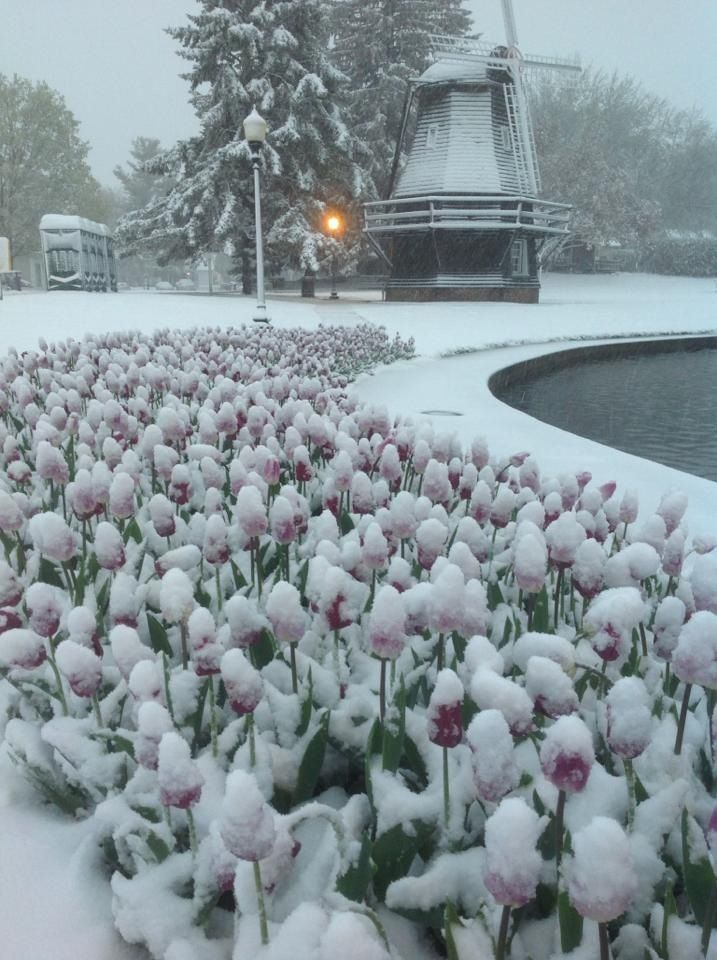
(270,54)
(140,186)
(381,45)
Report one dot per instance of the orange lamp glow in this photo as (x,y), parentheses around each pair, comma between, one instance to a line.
(333,223)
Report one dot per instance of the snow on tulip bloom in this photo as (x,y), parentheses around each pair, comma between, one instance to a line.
(153,721)
(629,720)
(281,521)
(387,624)
(567,755)
(128,649)
(251,512)
(45,608)
(669,618)
(444,713)
(611,618)
(601,873)
(631,565)
(375,547)
(694,659)
(550,688)
(122,496)
(11,517)
(21,649)
(431,536)
(588,569)
(247,824)
(206,651)
(109,546)
(9,620)
(284,610)
(52,537)
(242,682)
(215,547)
(176,596)
(703,580)
(494,770)
(491,691)
(80,666)
(502,507)
(563,537)
(672,509)
(245,621)
(161,513)
(180,780)
(530,559)
(513,863)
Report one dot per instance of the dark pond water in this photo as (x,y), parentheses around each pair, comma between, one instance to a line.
(655,399)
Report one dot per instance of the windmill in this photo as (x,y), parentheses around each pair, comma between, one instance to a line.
(464,219)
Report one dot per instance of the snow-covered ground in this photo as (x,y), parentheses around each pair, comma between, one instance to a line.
(52,901)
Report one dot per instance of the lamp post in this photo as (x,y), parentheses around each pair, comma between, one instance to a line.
(333,225)
(255,133)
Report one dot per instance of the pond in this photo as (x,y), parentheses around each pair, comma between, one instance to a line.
(656,399)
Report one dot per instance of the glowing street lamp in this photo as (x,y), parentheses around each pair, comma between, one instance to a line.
(334,225)
(255,133)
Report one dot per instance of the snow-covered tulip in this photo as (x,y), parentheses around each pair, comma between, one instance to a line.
(44,607)
(251,512)
(241,681)
(248,829)
(567,754)
(694,661)
(288,620)
(146,681)
(9,619)
(181,558)
(80,666)
(153,721)
(530,562)
(281,521)
(11,517)
(550,688)
(109,546)
(176,602)
(502,508)
(431,536)
(202,633)
(588,570)
(161,513)
(629,720)
(444,713)
(128,649)
(21,649)
(122,496)
(563,537)
(611,618)
(491,691)
(513,863)
(566,759)
(52,537)
(669,618)
(601,875)
(245,621)
(387,625)
(180,780)
(494,770)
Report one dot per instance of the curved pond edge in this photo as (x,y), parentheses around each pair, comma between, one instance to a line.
(527,370)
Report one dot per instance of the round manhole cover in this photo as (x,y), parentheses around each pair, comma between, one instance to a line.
(442,413)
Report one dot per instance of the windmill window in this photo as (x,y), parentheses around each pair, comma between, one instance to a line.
(519,258)
(432,137)
(505,138)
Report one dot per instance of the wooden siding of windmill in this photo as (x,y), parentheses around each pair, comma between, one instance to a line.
(463,220)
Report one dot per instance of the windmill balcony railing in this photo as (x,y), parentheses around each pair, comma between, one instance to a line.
(466,213)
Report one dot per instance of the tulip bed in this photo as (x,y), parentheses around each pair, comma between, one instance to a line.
(330,686)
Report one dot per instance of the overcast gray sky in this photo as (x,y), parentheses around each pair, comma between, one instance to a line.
(119,72)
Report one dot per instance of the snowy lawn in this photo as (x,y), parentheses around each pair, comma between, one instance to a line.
(214,623)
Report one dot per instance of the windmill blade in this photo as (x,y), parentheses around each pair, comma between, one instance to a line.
(511,34)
